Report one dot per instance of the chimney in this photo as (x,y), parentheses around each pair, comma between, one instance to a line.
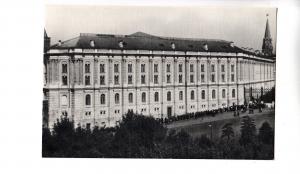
(59,42)
(205,47)
(231,44)
(92,43)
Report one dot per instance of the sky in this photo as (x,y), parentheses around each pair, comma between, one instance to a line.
(244,26)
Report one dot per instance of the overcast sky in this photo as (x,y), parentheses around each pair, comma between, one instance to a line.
(244,26)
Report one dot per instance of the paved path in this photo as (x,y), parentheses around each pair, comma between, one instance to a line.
(217,117)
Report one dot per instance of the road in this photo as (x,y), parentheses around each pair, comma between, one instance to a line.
(198,127)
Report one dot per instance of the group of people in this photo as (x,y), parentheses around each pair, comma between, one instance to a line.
(236,109)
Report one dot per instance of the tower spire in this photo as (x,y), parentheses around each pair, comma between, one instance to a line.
(267,47)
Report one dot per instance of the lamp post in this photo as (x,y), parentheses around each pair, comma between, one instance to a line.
(210,126)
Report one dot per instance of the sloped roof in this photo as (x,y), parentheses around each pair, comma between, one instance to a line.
(144,41)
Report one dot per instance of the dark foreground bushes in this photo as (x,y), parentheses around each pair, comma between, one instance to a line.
(138,136)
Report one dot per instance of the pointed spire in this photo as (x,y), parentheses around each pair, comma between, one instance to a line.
(267,47)
(267,31)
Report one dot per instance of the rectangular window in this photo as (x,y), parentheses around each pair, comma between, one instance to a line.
(129,68)
(222,68)
(64,80)
(168,67)
(102,68)
(191,68)
(143,67)
(102,80)
(168,78)
(87,80)
(213,78)
(155,79)
(116,80)
(180,67)
(64,68)
(232,68)
(223,77)
(143,79)
(192,78)
(155,68)
(180,78)
(87,68)
(232,77)
(202,78)
(116,68)
(212,68)
(130,79)
(202,68)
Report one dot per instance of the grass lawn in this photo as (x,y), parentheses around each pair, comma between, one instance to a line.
(198,129)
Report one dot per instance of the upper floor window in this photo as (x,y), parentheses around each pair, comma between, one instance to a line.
(180,78)
(168,96)
(102,68)
(168,78)
(223,77)
(130,98)
(212,68)
(192,78)
(202,68)
(143,97)
(102,80)
(65,80)
(155,68)
(102,99)
(191,68)
(143,79)
(88,99)
(87,68)
(168,67)
(233,93)
(116,80)
(116,68)
(222,68)
(143,67)
(117,98)
(203,94)
(192,95)
(155,79)
(64,68)
(202,78)
(223,93)
(87,80)
(180,95)
(156,97)
(213,78)
(213,94)
(180,67)
(232,68)
(232,77)
(130,79)
(129,68)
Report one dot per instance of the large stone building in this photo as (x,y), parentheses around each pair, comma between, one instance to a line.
(95,78)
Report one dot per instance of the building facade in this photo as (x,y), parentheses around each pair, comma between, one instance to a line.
(95,79)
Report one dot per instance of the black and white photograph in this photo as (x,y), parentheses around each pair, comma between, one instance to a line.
(159,82)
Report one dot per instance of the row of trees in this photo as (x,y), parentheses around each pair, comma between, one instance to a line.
(138,136)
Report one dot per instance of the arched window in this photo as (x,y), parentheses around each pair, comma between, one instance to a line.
(180,95)
(192,95)
(156,97)
(143,97)
(64,100)
(168,96)
(203,94)
(233,93)
(223,93)
(117,98)
(213,94)
(102,99)
(130,98)
(88,99)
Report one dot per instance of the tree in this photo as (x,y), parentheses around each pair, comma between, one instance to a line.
(227,131)
(266,134)
(248,131)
